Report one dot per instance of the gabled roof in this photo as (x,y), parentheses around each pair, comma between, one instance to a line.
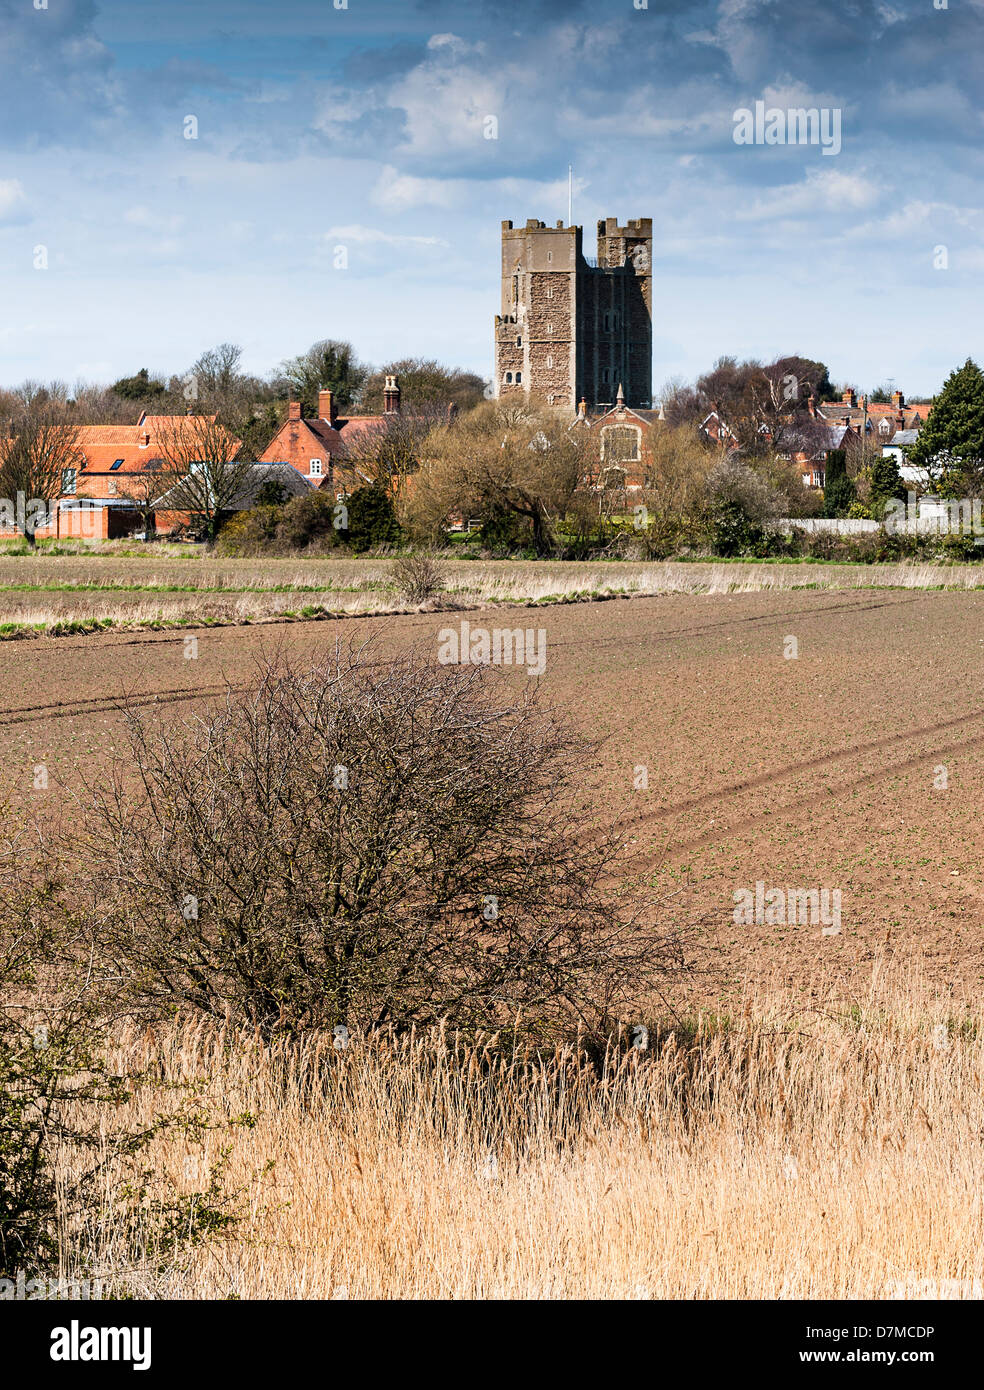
(293,483)
(331,435)
(100,446)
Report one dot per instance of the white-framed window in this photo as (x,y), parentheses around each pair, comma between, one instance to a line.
(549,359)
(883,426)
(69,477)
(508,378)
(550,291)
(315,468)
(549,327)
(620,444)
(111,487)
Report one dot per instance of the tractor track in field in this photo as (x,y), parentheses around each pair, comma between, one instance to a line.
(725,830)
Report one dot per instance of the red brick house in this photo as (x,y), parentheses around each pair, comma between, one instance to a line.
(317,447)
(879,420)
(623,455)
(115,472)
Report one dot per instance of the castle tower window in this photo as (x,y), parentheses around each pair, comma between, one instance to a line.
(550,291)
(508,378)
(519,378)
(549,327)
(549,361)
(519,342)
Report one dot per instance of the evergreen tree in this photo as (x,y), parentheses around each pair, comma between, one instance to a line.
(371,519)
(951,443)
(140,387)
(838,490)
(886,482)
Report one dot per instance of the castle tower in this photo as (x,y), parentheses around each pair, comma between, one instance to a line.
(567,328)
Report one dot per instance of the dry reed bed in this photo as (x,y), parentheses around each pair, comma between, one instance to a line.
(835,1155)
(264,591)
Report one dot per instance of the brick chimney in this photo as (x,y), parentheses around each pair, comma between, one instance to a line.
(849,398)
(898,400)
(391,396)
(327,408)
(293,410)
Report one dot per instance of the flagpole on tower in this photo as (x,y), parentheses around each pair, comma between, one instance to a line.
(570,195)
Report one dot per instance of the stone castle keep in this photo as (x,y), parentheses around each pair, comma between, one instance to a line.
(569,328)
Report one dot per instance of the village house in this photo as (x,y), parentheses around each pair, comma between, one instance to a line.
(117,472)
(623,433)
(318,447)
(169,516)
(879,420)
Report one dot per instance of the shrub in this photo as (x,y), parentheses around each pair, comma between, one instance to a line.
(372,521)
(418,577)
(249,532)
(366,842)
(310,521)
(742,502)
(63,1156)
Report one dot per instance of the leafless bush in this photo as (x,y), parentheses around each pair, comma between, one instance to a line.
(367,841)
(418,577)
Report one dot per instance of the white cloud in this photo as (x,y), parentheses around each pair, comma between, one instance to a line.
(367,235)
(396,192)
(823,191)
(13,202)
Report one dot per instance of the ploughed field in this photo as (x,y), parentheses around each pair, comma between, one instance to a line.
(854,766)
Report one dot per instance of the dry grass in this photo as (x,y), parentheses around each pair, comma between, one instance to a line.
(40,594)
(834,1153)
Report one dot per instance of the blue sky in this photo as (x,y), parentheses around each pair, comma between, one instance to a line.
(364,127)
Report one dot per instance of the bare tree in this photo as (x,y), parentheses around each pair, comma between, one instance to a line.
(38,461)
(143,491)
(201,470)
(365,842)
(388,450)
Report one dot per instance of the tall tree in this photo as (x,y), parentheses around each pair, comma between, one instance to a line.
(950,446)
(764,404)
(202,471)
(424,382)
(389,449)
(37,463)
(503,459)
(328,365)
(139,387)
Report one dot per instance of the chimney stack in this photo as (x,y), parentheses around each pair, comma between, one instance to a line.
(327,409)
(391,396)
(898,400)
(293,410)
(849,398)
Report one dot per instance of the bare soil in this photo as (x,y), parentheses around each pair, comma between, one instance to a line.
(815,771)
